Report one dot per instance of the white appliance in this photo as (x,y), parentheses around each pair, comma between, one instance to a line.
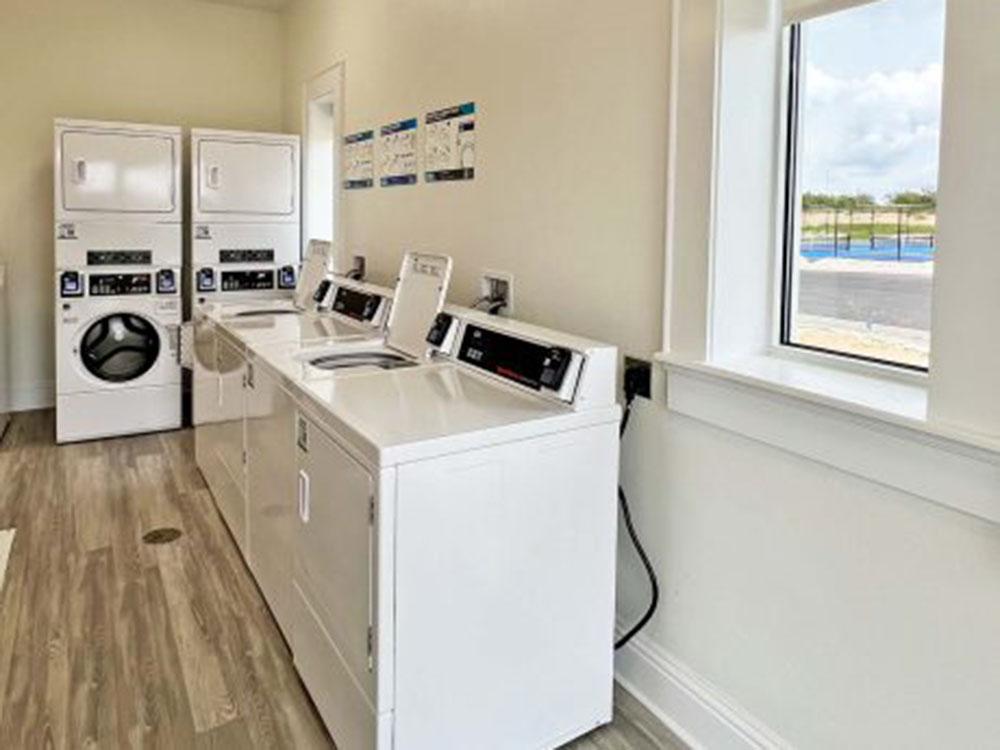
(117,351)
(117,188)
(437,540)
(118,247)
(223,375)
(245,209)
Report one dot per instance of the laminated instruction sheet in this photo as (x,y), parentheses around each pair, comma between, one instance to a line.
(398,153)
(359,160)
(450,144)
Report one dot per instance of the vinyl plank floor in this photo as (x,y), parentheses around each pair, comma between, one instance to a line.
(108,642)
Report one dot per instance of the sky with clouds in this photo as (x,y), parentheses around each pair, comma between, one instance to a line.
(872,98)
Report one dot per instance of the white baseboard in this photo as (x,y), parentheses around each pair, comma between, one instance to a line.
(696,711)
(31,396)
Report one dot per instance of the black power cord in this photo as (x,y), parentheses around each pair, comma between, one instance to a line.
(493,304)
(654,585)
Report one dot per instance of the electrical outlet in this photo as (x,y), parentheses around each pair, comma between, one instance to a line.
(497,286)
(638,374)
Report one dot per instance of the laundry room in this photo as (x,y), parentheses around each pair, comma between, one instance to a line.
(452,374)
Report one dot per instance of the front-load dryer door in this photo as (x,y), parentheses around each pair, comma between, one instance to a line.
(247,178)
(118,172)
(120,347)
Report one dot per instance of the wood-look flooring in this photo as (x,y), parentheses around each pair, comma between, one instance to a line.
(109,642)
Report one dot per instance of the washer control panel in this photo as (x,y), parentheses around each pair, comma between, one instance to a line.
(71,284)
(241,281)
(246,255)
(119,257)
(120,284)
(286,277)
(166,281)
(205,279)
(515,359)
(356,304)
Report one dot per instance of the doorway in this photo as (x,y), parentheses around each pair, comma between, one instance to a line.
(323,128)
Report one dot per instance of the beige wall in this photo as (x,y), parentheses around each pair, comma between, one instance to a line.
(571,146)
(166,61)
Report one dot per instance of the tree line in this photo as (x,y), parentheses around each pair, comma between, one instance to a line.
(860,201)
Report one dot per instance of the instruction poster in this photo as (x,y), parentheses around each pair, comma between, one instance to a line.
(398,153)
(450,144)
(359,160)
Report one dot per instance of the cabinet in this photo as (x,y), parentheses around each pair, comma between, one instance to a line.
(271,498)
(333,628)
(229,443)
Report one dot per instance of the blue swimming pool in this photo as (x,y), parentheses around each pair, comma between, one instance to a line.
(862,250)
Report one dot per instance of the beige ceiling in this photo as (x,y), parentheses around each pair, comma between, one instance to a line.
(274,5)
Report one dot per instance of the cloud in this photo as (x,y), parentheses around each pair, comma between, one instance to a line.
(874,134)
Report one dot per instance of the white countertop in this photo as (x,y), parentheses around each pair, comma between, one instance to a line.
(415,413)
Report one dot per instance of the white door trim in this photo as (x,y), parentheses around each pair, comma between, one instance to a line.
(326,85)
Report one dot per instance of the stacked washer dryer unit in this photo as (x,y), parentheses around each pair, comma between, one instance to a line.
(244,215)
(117,286)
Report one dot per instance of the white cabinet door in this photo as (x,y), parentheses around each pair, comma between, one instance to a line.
(239,177)
(118,172)
(270,435)
(205,378)
(230,445)
(334,543)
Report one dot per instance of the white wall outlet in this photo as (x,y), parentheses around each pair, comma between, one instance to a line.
(496,287)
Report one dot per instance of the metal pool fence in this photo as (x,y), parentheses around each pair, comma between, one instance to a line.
(903,233)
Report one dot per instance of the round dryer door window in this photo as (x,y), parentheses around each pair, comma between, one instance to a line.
(120,347)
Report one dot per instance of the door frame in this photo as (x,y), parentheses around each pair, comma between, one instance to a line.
(326,86)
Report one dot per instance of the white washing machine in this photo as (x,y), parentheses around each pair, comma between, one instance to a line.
(225,377)
(117,352)
(245,213)
(438,540)
(117,188)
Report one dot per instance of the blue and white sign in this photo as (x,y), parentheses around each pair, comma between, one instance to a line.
(359,160)
(398,153)
(450,144)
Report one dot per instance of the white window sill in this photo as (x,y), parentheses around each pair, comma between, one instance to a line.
(866,424)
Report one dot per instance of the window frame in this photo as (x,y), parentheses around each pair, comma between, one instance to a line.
(790,201)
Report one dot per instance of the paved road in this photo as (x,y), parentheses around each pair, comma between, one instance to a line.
(883,298)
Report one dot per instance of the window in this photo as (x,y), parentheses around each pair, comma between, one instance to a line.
(864,112)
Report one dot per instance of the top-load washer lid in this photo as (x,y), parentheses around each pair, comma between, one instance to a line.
(359,360)
(419,297)
(318,263)
(270,311)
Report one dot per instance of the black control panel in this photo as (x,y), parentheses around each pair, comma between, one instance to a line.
(439,329)
(166,281)
(247,255)
(206,280)
(119,257)
(241,281)
(286,277)
(355,304)
(70,284)
(523,362)
(321,291)
(120,284)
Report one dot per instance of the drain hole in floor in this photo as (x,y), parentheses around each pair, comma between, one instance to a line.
(163,535)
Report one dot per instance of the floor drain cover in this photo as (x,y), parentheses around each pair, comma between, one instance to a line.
(164,535)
